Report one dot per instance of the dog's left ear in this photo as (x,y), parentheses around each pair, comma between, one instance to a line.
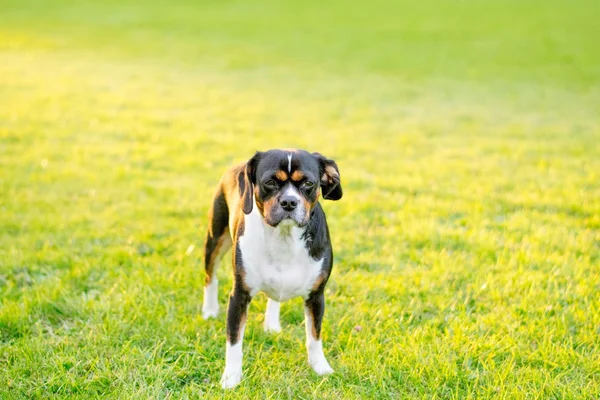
(249,181)
(331,186)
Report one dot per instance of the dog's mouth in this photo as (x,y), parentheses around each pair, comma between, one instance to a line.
(286,220)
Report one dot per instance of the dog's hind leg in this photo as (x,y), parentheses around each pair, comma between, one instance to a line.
(218,242)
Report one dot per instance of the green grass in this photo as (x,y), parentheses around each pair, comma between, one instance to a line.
(467,242)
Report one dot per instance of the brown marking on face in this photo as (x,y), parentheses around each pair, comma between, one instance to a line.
(297,175)
(281,175)
(260,206)
(213,256)
(314,203)
(307,204)
(268,205)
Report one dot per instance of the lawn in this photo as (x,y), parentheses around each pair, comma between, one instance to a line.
(467,244)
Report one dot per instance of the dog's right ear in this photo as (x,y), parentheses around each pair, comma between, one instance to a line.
(249,182)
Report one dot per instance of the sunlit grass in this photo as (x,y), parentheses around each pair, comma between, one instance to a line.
(466,244)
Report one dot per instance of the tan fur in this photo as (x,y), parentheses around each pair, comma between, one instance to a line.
(297,175)
(313,331)
(281,175)
(318,282)
(329,174)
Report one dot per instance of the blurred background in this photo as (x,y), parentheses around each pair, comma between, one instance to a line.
(466,243)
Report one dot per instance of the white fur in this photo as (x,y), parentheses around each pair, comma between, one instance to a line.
(276,260)
(233,364)
(272,317)
(316,358)
(292,192)
(210,308)
(299,211)
(290,163)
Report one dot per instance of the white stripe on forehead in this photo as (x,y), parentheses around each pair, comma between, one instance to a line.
(290,163)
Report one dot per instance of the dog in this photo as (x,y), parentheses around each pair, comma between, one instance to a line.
(268,210)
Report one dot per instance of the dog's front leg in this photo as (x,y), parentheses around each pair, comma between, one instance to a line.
(239,299)
(314,308)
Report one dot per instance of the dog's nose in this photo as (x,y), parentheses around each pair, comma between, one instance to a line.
(289,203)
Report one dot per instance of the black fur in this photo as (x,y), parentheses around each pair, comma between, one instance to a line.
(316,306)
(331,187)
(239,299)
(219,217)
(249,182)
(317,234)
(251,179)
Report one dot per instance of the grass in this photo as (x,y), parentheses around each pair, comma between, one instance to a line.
(467,243)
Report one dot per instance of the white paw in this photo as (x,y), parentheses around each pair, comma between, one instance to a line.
(322,367)
(231,379)
(271,327)
(210,312)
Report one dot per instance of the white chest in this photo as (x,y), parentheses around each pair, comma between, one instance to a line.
(276,260)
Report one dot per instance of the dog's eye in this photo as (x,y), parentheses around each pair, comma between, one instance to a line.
(271,184)
(308,185)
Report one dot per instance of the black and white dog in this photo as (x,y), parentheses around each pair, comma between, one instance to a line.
(269,209)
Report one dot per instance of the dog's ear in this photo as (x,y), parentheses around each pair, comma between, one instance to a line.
(331,186)
(249,182)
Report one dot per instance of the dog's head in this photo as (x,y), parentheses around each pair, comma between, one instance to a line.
(286,184)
